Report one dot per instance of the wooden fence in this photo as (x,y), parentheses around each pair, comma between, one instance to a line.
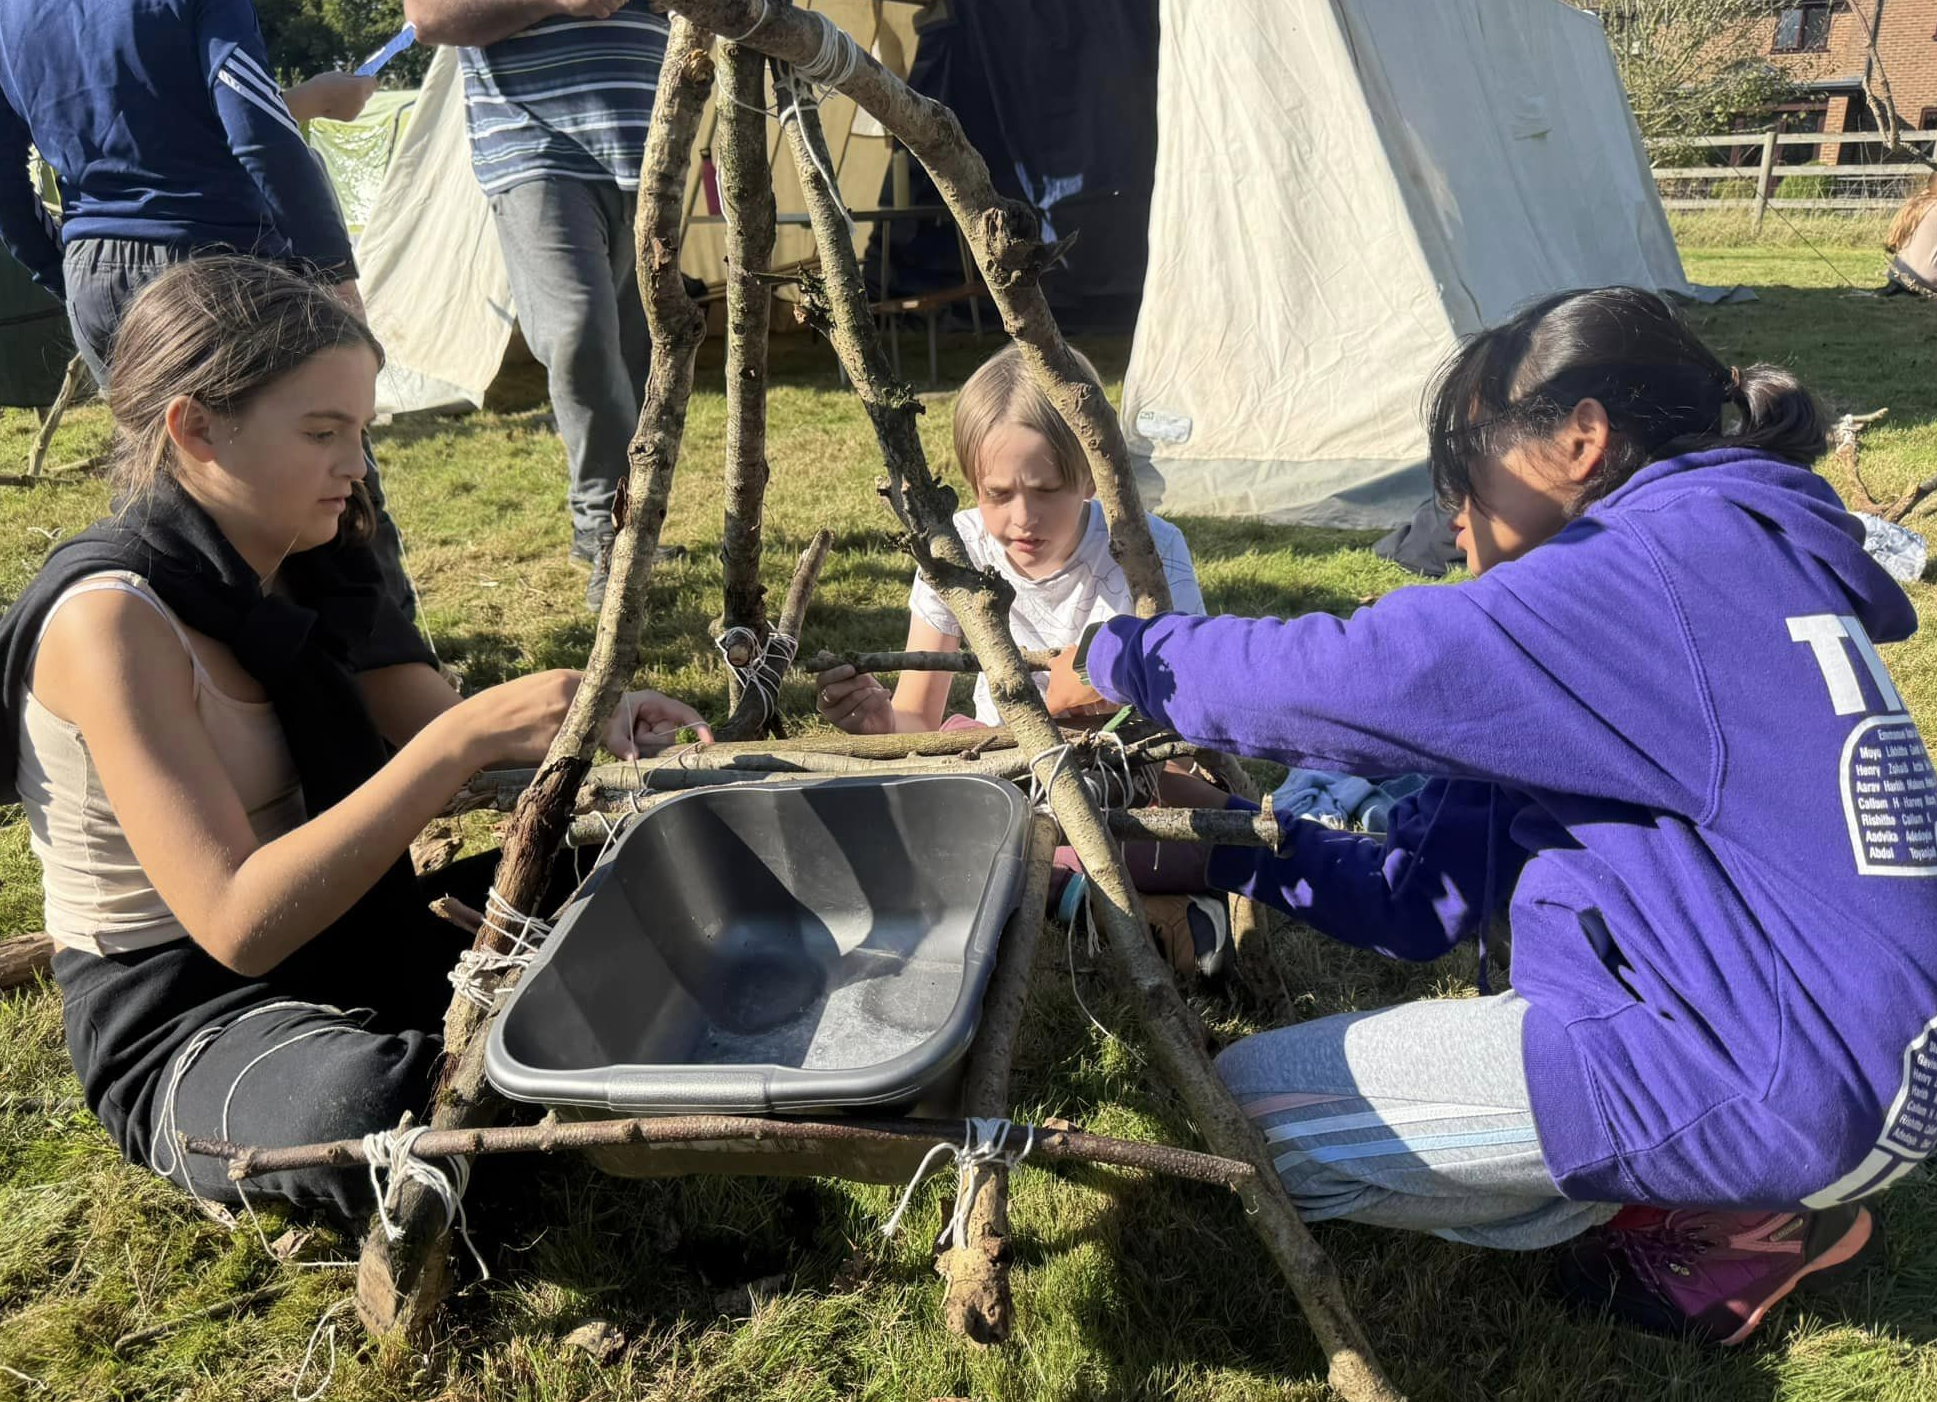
(1854,188)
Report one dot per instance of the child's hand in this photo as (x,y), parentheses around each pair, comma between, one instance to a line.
(856,702)
(646,723)
(1068,694)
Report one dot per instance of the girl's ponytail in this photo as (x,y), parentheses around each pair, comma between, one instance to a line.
(1779,416)
(1665,393)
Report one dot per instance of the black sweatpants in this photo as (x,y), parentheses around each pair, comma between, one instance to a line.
(337,1042)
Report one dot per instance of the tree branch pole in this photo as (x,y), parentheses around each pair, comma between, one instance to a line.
(43,440)
(401,1283)
(549,1136)
(912,661)
(978,1303)
(755,715)
(746,191)
(1003,235)
(1196,825)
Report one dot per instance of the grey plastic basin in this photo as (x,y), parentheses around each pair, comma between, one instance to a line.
(772,948)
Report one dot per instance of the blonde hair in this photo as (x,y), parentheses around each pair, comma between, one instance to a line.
(1904,226)
(221,331)
(1002,392)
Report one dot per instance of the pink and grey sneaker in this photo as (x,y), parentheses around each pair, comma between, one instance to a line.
(1710,1276)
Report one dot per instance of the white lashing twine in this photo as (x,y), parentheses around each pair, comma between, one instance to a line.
(479,972)
(984,1142)
(168,1136)
(833,63)
(769,663)
(1095,948)
(1118,786)
(392,1155)
(309,1354)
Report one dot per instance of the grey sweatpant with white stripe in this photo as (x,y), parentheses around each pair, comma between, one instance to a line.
(1415,1116)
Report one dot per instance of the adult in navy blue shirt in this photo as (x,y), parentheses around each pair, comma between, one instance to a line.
(169,140)
(558,95)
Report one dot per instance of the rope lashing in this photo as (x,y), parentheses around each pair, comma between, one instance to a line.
(480,971)
(768,663)
(984,1142)
(392,1156)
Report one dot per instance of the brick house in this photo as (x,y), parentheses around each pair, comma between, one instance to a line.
(1825,48)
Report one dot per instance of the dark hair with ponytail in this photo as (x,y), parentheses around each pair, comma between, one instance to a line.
(1665,393)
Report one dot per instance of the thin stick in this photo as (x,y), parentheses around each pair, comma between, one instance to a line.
(220,1309)
(401,1283)
(753,715)
(1217,827)
(1056,1145)
(979,1304)
(70,383)
(913,661)
(746,190)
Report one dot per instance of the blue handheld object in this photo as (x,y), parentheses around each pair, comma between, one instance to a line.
(374,64)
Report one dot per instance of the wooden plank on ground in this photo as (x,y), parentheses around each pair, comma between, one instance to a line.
(23,958)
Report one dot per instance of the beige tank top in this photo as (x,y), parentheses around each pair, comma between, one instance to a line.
(98,899)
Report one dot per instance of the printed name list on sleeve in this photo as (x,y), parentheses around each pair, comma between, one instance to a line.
(1890,795)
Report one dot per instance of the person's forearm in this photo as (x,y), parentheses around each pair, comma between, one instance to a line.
(288,891)
(474,23)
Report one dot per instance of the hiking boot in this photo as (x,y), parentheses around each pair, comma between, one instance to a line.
(1710,1276)
(588,545)
(594,548)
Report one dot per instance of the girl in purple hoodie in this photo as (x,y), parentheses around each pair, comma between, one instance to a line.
(1662,741)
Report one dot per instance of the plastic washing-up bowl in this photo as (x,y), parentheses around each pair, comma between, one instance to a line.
(772,948)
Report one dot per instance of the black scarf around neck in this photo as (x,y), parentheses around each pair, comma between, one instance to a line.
(303,644)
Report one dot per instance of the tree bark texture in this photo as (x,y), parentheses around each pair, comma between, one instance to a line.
(913,661)
(23,959)
(746,190)
(49,426)
(1003,236)
(753,715)
(978,1303)
(400,1284)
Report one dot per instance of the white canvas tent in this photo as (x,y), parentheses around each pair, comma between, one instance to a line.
(433,275)
(1344,188)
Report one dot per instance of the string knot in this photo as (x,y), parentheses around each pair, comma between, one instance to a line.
(984,1142)
(479,975)
(392,1157)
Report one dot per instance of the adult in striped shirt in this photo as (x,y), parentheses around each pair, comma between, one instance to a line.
(558,96)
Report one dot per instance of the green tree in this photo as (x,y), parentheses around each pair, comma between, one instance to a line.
(1691,67)
(309,36)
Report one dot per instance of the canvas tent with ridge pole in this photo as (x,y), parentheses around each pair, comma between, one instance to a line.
(433,276)
(1344,189)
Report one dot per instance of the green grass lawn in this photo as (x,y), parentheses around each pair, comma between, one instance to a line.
(1127,1287)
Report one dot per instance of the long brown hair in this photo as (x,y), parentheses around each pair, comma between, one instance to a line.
(221,331)
(1911,215)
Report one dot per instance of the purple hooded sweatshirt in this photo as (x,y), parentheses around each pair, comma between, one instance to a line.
(1665,742)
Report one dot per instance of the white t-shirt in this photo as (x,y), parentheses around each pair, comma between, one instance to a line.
(1052,612)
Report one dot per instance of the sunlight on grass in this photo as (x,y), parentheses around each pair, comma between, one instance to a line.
(1126,1287)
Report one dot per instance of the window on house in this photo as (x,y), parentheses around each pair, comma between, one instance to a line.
(1927,119)
(1803,29)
